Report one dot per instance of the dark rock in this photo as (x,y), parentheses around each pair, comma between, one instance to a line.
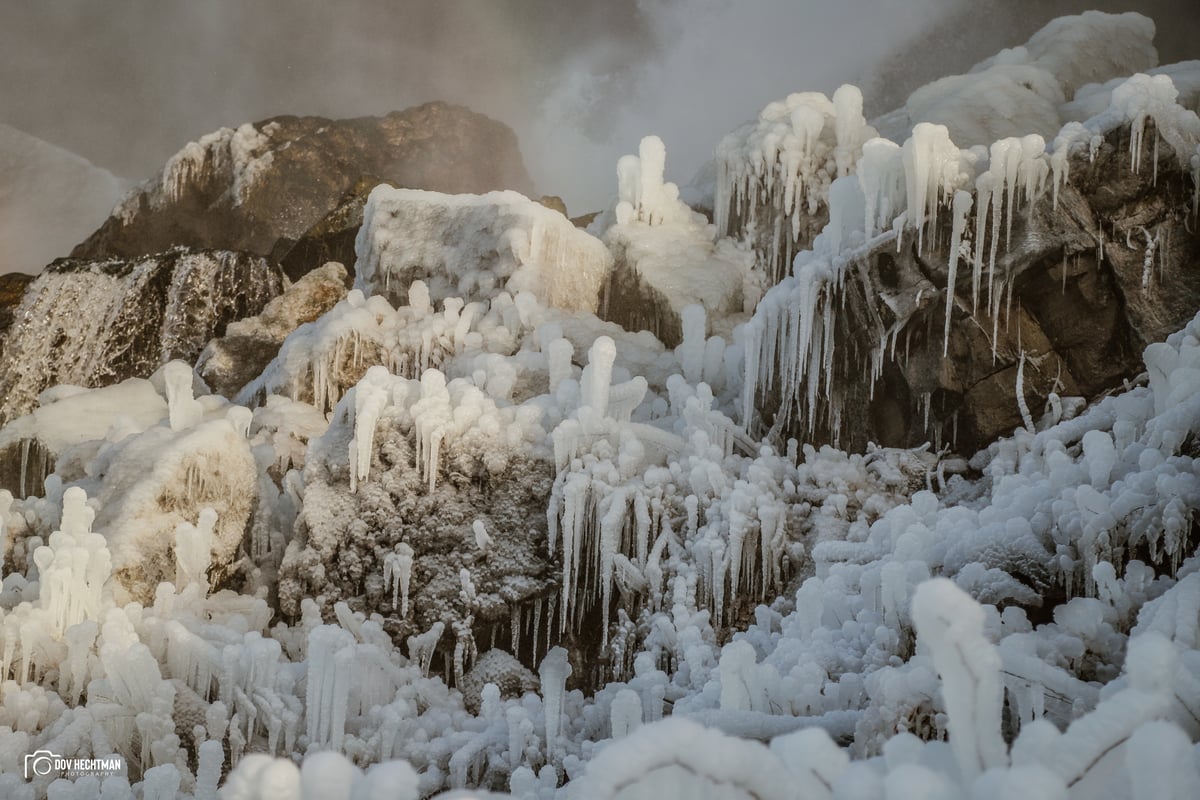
(229,363)
(554,202)
(248,189)
(12,289)
(331,239)
(584,220)
(95,323)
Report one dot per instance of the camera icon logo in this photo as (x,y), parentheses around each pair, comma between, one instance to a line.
(39,764)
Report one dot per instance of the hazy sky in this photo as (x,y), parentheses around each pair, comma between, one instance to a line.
(126,83)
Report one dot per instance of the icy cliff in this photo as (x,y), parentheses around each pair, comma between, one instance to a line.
(466,532)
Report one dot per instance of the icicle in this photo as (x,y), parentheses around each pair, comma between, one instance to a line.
(554,671)
(1026,418)
(514,624)
(397,570)
(482,537)
(962,206)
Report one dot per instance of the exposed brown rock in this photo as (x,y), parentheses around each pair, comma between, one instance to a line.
(229,363)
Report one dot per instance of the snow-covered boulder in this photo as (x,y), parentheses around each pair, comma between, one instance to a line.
(160,479)
(472,246)
(1022,90)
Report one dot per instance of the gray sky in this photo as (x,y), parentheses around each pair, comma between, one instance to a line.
(125,83)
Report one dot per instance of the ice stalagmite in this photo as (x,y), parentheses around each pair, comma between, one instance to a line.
(554,671)
(193,550)
(397,571)
(951,624)
(184,410)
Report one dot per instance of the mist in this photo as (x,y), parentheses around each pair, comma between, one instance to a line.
(126,83)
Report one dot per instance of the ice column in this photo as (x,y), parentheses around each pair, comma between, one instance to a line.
(950,624)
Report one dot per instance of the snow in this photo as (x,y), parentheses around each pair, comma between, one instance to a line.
(1024,90)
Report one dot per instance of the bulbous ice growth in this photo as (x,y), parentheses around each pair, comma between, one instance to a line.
(74,568)
(775,172)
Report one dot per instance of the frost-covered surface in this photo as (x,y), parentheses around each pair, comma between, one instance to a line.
(461,534)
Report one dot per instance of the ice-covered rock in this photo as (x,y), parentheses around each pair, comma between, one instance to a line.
(94,323)
(263,185)
(471,246)
(1048,277)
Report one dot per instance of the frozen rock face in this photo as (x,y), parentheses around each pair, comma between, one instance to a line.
(262,186)
(230,362)
(402,539)
(330,239)
(95,323)
(1088,276)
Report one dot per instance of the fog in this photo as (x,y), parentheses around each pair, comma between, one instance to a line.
(125,83)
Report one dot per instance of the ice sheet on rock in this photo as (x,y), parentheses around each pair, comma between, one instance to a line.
(245,152)
(97,322)
(1133,102)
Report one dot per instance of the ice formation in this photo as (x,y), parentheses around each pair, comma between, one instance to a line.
(775,173)
(503,240)
(462,535)
(245,152)
(99,322)
(669,257)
